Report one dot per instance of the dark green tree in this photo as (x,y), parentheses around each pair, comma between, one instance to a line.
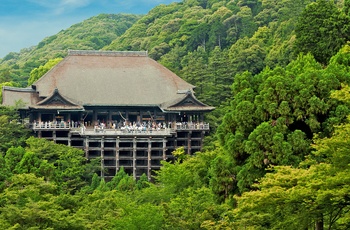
(275,114)
(322,30)
(220,77)
(13,156)
(95,181)
(196,72)
(142,182)
(113,184)
(12,131)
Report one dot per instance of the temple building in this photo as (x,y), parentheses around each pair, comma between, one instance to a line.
(122,107)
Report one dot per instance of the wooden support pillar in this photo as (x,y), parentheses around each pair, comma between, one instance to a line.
(134,157)
(86,147)
(149,166)
(109,118)
(175,140)
(102,157)
(39,117)
(164,148)
(202,138)
(94,118)
(117,141)
(54,136)
(189,144)
(69,139)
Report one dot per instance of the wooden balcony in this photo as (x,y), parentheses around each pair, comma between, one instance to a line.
(123,131)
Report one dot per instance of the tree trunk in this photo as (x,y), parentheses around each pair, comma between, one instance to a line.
(319,223)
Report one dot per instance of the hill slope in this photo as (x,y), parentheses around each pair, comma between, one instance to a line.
(208,42)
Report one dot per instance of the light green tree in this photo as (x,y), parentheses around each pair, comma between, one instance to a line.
(72,170)
(314,196)
(38,72)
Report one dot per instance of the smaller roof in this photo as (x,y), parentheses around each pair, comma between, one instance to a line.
(57,101)
(13,95)
(188,102)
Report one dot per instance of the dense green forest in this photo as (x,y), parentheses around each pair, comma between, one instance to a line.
(278,158)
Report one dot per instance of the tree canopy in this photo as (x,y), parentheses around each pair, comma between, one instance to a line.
(322,30)
(316,193)
(275,114)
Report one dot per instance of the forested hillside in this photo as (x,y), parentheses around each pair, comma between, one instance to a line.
(208,42)
(91,34)
(278,72)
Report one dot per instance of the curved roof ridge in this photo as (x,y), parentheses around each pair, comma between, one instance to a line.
(109,53)
(13,88)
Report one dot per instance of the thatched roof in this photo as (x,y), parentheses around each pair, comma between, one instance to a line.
(107,78)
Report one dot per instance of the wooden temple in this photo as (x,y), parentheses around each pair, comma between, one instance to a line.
(122,107)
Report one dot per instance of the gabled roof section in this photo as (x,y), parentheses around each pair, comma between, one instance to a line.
(56,101)
(188,102)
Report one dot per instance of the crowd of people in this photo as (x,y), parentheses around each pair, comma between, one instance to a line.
(56,124)
(125,126)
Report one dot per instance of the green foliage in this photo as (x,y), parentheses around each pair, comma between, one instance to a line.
(191,208)
(180,175)
(116,210)
(13,157)
(222,177)
(4,173)
(12,132)
(26,202)
(72,171)
(37,73)
(322,30)
(121,181)
(275,114)
(180,154)
(142,182)
(95,182)
(317,194)
(127,183)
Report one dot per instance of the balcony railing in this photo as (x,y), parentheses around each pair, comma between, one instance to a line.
(192,126)
(125,130)
(50,125)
